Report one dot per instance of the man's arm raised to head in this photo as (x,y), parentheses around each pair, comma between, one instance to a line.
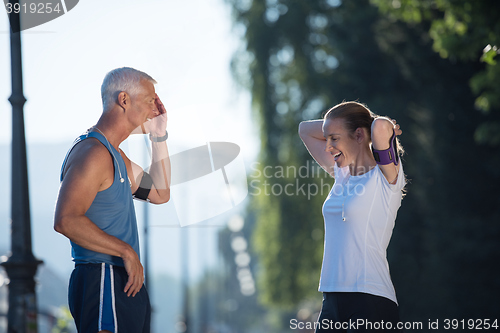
(89,169)
(160,172)
(160,168)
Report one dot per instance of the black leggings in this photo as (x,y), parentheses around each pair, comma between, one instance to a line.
(357,312)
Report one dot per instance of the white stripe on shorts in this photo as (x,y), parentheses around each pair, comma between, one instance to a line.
(113,296)
(101,296)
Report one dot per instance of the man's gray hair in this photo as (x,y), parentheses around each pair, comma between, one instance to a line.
(121,79)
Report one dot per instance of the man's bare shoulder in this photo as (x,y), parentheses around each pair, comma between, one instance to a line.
(88,170)
(89,154)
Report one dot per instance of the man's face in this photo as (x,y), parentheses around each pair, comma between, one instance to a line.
(143,103)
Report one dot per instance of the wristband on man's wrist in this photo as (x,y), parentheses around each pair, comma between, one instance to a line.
(158,138)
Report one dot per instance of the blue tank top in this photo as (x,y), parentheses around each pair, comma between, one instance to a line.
(112,210)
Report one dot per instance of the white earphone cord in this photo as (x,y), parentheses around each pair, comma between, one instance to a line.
(109,145)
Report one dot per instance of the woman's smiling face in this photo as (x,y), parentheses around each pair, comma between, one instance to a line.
(339,142)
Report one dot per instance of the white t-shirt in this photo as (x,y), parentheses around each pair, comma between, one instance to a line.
(354,258)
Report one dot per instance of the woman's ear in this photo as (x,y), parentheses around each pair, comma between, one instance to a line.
(360,134)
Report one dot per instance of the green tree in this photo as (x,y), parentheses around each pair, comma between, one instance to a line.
(468,31)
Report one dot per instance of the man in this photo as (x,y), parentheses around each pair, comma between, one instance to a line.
(95,210)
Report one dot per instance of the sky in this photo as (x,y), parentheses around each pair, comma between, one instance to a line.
(186,46)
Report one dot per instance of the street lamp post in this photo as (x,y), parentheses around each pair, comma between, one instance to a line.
(21,265)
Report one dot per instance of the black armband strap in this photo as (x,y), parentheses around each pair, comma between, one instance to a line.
(142,192)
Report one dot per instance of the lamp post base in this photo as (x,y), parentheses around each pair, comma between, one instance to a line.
(22,315)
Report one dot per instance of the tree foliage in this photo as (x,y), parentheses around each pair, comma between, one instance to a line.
(466,31)
(302,57)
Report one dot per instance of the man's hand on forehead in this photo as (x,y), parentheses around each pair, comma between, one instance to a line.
(159,105)
(158,123)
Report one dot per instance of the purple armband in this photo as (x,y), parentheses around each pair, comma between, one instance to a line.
(388,156)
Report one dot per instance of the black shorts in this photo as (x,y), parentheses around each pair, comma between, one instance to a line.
(357,312)
(97,301)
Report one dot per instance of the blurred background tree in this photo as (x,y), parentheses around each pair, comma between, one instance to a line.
(416,61)
(462,30)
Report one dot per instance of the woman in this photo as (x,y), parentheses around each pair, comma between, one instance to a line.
(359,215)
